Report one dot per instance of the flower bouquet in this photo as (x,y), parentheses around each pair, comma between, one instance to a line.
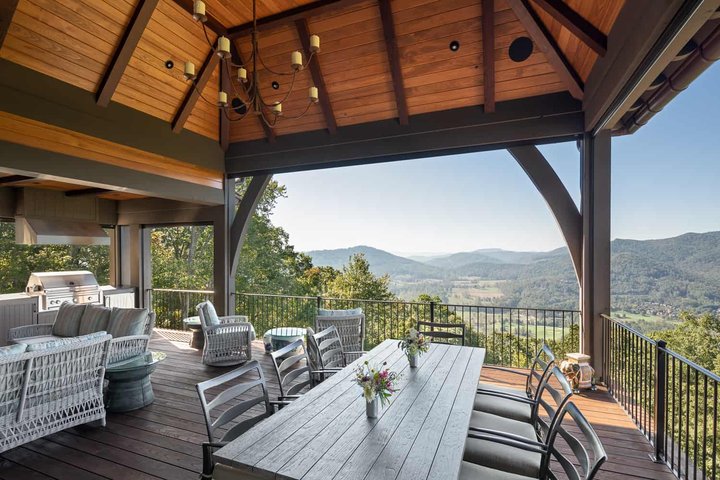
(378,385)
(414,344)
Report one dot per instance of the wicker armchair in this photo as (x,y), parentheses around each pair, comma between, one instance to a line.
(351,327)
(227,339)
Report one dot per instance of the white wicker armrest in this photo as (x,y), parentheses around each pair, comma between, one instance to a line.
(228,328)
(29,331)
(122,348)
(234,319)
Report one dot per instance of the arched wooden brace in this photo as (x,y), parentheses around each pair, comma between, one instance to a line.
(561,204)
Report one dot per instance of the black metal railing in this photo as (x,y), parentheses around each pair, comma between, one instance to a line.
(171,306)
(672,400)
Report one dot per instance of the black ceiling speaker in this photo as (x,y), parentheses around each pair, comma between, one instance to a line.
(520,49)
(169,64)
(238,106)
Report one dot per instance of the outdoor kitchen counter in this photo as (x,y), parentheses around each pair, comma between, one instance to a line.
(16,309)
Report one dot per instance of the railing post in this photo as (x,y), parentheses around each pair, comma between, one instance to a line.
(432,311)
(319,302)
(660,397)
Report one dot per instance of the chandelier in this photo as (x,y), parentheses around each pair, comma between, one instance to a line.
(248,77)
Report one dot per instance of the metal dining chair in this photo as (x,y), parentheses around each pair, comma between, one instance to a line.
(234,412)
(293,370)
(447,332)
(581,461)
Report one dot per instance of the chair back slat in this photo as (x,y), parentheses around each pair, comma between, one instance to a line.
(553,400)
(429,330)
(540,370)
(351,329)
(589,459)
(228,394)
(297,366)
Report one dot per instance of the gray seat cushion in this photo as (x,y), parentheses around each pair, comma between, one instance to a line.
(60,342)
(209,314)
(67,321)
(471,471)
(95,319)
(125,322)
(16,349)
(41,339)
(503,407)
(489,387)
(489,421)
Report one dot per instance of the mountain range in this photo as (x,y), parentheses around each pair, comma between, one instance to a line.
(658,277)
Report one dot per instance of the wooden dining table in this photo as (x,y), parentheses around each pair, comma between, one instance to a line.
(326,434)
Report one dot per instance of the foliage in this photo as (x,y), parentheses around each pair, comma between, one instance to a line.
(697,337)
(357,281)
(376,381)
(414,343)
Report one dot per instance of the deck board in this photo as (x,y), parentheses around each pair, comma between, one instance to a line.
(163,440)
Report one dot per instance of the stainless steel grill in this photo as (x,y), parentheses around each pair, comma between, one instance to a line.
(54,288)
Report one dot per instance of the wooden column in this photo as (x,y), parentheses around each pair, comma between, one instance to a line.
(223,279)
(135,262)
(595,208)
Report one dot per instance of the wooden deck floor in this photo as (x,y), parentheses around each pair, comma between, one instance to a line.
(162,440)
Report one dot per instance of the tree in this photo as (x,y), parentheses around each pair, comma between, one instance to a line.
(697,337)
(357,281)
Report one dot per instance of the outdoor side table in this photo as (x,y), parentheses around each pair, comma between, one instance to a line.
(198,338)
(129,386)
(280,337)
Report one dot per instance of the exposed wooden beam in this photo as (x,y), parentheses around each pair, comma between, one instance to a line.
(287,16)
(224,122)
(124,51)
(394,58)
(581,28)
(7,10)
(86,191)
(243,216)
(14,179)
(544,39)
(212,23)
(488,45)
(192,96)
(238,60)
(317,76)
(535,120)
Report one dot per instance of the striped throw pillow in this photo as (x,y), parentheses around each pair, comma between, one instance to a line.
(67,322)
(125,322)
(95,319)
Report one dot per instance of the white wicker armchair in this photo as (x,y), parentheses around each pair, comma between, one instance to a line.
(49,390)
(227,339)
(350,325)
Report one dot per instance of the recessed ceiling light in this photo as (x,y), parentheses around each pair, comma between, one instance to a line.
(520,49)
(275,85)
(169,64)
(454,46)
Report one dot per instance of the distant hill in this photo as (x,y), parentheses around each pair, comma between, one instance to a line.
(493,255)
(381,262)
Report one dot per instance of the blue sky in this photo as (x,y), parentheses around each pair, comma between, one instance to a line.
(665,182)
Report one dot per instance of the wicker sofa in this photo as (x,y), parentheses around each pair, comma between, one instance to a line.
(130,328)
(49,387)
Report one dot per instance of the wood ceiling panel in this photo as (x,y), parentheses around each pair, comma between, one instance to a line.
(71,40)
(233,12)
(601,13)
(150,87)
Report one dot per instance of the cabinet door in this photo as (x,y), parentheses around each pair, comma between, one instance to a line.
(16,313)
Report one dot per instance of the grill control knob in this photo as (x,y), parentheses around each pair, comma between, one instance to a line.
(90,299)
(75,300)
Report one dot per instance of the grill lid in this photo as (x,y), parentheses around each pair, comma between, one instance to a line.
(40,281)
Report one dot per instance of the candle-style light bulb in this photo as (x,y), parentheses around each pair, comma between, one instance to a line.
(189,71)
(313,94)
(199,11)
(223,47)
(314,43)
(242,75)
(296,61)
(277,109)
(222,99)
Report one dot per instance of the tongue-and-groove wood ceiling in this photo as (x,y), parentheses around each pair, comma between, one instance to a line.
(76,40)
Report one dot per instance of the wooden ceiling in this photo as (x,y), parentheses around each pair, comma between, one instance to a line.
(379,59)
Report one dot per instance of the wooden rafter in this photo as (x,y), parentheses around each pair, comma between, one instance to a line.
(224,121)
(579,26)
(124,51)
(393,54)
(238,60)
(317,76)
(542,37)
(193,94)
(212,23)
(488,45)
(283,18)
(7,10)
(86,192)
(14,179)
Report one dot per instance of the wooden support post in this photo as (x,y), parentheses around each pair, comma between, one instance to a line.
(135,261)
(595,208)
(223,278)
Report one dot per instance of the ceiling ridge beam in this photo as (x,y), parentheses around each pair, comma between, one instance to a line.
(287,16)
(588,33)
(541,36)
(192,96)
(393,54)
(238,60)
(488,42)
(124,51)
(7,10)
(324,97)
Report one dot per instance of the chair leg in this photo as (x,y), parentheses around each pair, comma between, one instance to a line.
(208,464)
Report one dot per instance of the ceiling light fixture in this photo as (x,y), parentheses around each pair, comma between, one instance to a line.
(247,76)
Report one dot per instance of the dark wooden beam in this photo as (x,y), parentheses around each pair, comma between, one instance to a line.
(581,28)
(14,179)
(86,191)
(534,120)
(124,51)
(224,121)
(243,216)
(544,39)
(7,10)
(287,16)
(488,45)
(212,23)
(561,204)
(394,58)
(192,96)
(238,60)
(317,76)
